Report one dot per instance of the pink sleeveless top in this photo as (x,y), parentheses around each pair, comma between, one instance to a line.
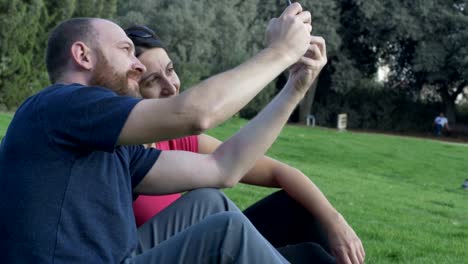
(145,206)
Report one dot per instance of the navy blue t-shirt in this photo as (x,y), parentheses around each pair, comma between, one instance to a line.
(65,187)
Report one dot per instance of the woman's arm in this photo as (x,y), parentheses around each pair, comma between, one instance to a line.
(268,172)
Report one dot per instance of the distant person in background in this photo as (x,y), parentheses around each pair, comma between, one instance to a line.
(296,215)
(465,184)
(441,125)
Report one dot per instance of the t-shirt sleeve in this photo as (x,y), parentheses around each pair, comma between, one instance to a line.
(141,161)
(189,143)
(89,118)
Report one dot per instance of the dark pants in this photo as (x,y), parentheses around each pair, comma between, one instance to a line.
(204,226)
(290,228)
(438,130)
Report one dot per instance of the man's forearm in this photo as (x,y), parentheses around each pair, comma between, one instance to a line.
(222,95)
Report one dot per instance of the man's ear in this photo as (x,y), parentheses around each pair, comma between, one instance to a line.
(82,55)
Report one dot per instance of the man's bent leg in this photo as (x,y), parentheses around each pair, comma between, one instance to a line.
(226,237)
(188,210)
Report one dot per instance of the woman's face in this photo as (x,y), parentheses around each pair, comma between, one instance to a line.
(160,79)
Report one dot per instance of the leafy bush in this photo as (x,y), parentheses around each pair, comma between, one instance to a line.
(376,109)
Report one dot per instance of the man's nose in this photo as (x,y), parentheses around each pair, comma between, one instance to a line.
(138,66)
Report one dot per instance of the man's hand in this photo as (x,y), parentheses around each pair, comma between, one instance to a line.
(290,33)
(306,70)
(344,243)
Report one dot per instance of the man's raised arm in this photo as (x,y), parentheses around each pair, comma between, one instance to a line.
(221,96)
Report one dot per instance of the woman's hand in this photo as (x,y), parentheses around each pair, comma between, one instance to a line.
(306,70)
(345,245)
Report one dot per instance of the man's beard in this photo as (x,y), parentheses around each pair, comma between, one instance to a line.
(106,76)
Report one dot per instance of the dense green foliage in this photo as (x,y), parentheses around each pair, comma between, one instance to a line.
(23,39)
(207,37)
(421,42)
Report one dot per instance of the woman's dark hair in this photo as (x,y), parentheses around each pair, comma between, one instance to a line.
(143,38)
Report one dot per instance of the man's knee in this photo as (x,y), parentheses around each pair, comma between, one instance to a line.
(235,222)
(207,193)
(212,196)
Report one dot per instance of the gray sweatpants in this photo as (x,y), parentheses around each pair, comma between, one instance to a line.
(203,226)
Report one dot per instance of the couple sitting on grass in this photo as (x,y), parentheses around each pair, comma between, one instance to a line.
(72,159)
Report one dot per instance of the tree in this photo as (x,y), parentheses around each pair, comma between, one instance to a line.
(325,20)
(23,40)
(440,54)
(421,41)
(95,8)
(203,37)
(19,52)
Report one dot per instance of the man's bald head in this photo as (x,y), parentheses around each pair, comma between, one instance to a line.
(93,51)
(62,38)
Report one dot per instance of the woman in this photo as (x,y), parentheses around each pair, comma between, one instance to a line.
(297,214)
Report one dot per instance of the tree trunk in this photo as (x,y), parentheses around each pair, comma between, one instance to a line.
(305,106)
(449,103)
(450,111)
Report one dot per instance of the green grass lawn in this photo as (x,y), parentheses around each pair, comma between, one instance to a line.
(4,121)
(401,195)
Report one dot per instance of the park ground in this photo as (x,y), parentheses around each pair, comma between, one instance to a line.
(402,195)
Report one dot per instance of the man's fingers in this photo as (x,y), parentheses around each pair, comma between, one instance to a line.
(305,17)
(292,10)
